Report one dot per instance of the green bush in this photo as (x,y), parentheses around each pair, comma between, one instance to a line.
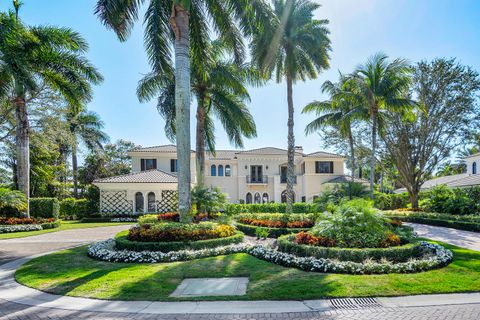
(391,201)
(51,225)
(395,254)
(12,202)
(298,207)
(465,222)
(122,243)
(453,201)
(272,232)
(74,207)
(44,208)
(92,194)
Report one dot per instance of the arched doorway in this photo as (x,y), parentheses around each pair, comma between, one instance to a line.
(248,198)
(257,198)
(151,204)
(265,197)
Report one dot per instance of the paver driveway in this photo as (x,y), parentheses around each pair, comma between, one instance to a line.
(16,248)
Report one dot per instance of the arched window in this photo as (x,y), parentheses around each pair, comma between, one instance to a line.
(213,170)
(284,196)
(265,198)
(228,171)
(151,205)
(139,202)
(248,198)
(474,168)
(257,198)
(220,170)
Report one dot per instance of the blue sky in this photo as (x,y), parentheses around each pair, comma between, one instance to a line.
(413,29)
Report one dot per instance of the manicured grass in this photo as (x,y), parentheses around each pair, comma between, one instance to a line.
(72,273)
(66,225)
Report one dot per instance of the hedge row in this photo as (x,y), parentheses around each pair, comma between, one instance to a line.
(395,254)
(272,232)
(122,243)
(454,224)
(74,207)
(51,225)
(44,208)
(298,207)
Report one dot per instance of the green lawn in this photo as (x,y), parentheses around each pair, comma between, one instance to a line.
(72,273)
(66,225)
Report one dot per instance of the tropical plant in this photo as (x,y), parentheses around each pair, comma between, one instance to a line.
(184,25)
(384,85)
(86,127)
(295,46)
(339,112)
(208,200)
(33,58)
(219,84)
(12,199)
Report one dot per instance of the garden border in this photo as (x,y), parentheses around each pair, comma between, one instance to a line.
(459,225)
(272,232)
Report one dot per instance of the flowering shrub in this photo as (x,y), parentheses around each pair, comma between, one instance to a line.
(23,221)
(311,240)
(277,220)
(173,231)
(433,256)
(19,228)
(169,216)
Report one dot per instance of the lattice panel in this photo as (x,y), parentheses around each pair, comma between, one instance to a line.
(169,201)
(116,202)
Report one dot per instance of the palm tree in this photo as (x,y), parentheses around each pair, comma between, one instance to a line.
(218,83)
(383,86)
(340,112)
(84,126)
(184,25)
(295,47)
(32,58)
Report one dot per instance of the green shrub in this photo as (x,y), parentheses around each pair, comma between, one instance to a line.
(298,207)
(261,233)
(396,254)
(12,202)
(44,208)
(391,201)
(272,232)
(50,225)
(453,201)
(122,243)
(461,222)
(92,194)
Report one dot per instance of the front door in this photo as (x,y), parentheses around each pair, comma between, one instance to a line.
(256,174)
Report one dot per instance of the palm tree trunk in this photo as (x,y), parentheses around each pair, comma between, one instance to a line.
(75,169)
(374,149)
(352,155)
(180,25)
(23,148)
(200,136)
(291,146)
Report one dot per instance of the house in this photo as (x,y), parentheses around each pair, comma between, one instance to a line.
(250,176)
(464,180)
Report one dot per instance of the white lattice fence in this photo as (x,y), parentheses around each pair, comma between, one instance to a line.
(169,201)
(116,202)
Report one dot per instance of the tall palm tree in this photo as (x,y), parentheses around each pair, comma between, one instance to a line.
(295,46)
(86,127)
(219,85)
(383,84)
(36,57)
(339,112)
(184,25)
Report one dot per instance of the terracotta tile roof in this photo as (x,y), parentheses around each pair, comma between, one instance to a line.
(452,181)
(223,155)
(165,148)
(267,151)
(150,176)
(323,154)
(344,179)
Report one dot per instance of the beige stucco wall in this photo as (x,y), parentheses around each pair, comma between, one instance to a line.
(163,161)
(470,162)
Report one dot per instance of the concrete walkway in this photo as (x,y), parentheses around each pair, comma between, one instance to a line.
(36,303)
(465,239)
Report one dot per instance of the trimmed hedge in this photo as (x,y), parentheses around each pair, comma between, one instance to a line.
(122,243)
(448,223)
(391,201)
(272,232)
(51,225)
(44,208)
(395,254)
(74,207)
(298,207)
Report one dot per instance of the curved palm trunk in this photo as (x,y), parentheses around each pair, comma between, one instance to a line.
(75,169)
(374,149)
(200,142)
(352,155)
(23,148)
(180,25)
(291,146)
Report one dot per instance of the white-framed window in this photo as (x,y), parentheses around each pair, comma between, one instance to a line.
(213,170)
(248,198)
(257,198)
(265,197)
(220,170)
(139,202)
(323,166)
(228,171)
(151,204)
(474,168)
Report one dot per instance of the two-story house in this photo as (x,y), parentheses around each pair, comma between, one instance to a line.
(250,176)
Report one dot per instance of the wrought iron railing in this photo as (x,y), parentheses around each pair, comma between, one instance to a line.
(257,179)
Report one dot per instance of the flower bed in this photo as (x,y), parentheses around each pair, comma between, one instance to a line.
(276,224)
(8,225)
(433,256)
(272,232)
(403,253)
(123,243)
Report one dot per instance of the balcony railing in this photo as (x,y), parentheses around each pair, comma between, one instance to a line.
(283,179)
(257,179)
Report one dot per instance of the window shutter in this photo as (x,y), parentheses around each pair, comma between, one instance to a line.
(331,166)
(154,163)
(172,164)
(142,164)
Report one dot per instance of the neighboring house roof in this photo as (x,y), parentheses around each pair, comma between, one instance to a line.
(344,179)
(323,154)
(473,155)
(165,148)
(452,181)
(265,151)
(150,176)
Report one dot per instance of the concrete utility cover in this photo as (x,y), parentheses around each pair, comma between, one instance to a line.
(202,287)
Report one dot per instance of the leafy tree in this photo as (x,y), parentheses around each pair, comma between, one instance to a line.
(13,200)
(448,112)
(36,56)
(340,113)
(86,127)
(295,46)
(184,25)
(219,84)
(383,84)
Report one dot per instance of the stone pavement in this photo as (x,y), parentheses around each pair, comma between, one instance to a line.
(27,306)
(460,238)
